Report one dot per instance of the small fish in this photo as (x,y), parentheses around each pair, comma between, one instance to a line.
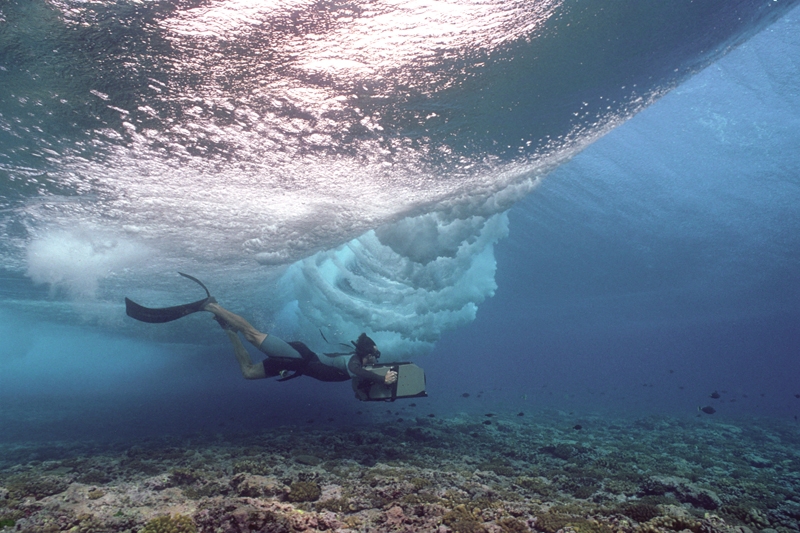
(714,395)
(431,415)
(577,426)
(465,395)
(707,410)
(399,419)
(520,414)
(412,405)
(797,395)
(671,371)
(487,422)
(489,414)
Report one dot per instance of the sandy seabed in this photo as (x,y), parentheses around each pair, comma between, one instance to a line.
(496,472)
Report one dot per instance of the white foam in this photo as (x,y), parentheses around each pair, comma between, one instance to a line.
(404,284)
(76,261)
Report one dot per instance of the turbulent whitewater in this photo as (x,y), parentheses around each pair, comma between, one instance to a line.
(342,166)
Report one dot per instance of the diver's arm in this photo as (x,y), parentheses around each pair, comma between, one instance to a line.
(249,370)
(356,369)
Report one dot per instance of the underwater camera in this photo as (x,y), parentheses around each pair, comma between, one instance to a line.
(410,383)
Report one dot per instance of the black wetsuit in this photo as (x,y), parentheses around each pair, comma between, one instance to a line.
(311,366)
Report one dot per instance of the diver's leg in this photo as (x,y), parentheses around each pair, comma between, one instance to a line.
(277,348)
(238,323)
(269,344)
(249,370)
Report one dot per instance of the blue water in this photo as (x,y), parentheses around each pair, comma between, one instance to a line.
(569,215)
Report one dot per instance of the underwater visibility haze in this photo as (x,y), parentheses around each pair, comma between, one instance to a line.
(581,218)
(591,207)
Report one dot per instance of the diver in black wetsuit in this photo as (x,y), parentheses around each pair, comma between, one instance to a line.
(294,359)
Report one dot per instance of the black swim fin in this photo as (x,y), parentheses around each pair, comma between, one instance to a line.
(166,314)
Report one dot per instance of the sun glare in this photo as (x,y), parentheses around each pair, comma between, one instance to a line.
(348,38)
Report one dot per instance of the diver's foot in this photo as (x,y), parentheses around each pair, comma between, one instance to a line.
(283,374)
(210,304)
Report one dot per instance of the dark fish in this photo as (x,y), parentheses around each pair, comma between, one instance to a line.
(577,426)
(412,405)
(489,414)
(714,395)
(797,395)
(487,422)
(465,395)
(671,371)
(708,410)
(431,415)
(520,414)
(399,419)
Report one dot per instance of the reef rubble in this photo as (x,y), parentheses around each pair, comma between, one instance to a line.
(459,474)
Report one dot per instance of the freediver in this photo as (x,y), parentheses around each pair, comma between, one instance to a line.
(293,359)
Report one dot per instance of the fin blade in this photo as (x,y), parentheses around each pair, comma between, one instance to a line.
(161,315)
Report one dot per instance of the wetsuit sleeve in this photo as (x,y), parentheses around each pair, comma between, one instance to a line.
(355,368)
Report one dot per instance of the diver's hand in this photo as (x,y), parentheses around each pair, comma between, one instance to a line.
(391,377)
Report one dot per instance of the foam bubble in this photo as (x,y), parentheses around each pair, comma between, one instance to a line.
(403,284)
(77,260)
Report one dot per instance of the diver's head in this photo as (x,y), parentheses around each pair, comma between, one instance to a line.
(366,348)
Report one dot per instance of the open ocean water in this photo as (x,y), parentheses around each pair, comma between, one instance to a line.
(582,219)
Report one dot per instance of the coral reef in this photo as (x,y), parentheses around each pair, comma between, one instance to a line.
(459,475)
(640,511)
(304,491)
(170,524)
